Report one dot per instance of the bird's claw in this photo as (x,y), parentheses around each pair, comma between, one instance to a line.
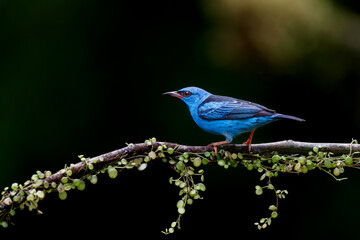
(216,144)
(248,142)
(248,145)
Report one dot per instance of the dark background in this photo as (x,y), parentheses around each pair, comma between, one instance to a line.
(85,77)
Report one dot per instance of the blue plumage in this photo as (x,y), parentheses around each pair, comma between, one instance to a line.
(226,116)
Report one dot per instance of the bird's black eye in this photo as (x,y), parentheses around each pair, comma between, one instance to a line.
(187,93)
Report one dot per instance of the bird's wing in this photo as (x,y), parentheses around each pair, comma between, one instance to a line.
(227,108)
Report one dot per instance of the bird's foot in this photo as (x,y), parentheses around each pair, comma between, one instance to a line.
(216,144)
(248,142)
(248,145)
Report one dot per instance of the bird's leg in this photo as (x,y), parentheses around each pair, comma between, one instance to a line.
(216,144)
(248,142)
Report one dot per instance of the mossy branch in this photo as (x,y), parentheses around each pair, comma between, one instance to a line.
(269,159)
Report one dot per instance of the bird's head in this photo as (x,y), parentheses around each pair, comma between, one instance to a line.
(191,96)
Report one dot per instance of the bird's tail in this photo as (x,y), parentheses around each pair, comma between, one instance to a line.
(283,116)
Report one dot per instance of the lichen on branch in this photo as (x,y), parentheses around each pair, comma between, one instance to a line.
(268,160)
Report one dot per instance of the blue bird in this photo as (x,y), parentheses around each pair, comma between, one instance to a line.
(226,116)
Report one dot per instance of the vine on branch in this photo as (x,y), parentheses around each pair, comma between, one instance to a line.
(187,162)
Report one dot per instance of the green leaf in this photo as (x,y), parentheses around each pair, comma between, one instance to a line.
(170,150)
(112,172)
(62,195)
(348,160)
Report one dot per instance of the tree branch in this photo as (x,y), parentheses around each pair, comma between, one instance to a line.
(34,190)
(286,146)
(290,146)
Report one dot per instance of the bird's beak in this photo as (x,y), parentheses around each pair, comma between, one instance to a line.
(174,94)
